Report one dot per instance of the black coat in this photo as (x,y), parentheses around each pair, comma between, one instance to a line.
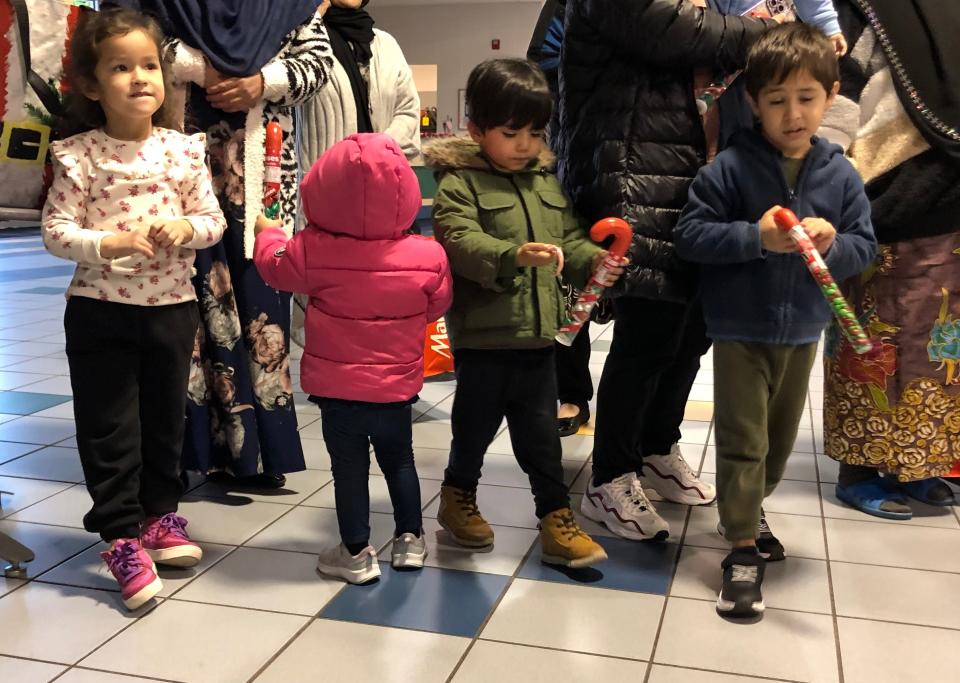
(630,140)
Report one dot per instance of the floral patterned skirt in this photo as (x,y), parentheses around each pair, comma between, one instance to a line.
(240,413)
(899,410)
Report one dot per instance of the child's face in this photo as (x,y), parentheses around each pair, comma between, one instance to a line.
(509,149)
(129,80)
(790,112)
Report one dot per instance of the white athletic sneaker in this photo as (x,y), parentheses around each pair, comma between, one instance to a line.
(623,508)
(359,568)
(408,552)
(671,477)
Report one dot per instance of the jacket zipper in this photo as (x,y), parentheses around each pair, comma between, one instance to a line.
(793,197)
(897,67)
(537,327)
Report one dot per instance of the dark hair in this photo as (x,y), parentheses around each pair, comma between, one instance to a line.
(786,49)
(84,114)
(508,92)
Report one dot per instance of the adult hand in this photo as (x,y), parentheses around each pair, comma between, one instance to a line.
(534,254)
(614,273)
(772,237)
(171,232)
(126,244)
(821,233)
(232,94)
(264,223)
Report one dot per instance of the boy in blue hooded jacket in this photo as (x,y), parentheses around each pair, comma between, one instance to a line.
(763,311)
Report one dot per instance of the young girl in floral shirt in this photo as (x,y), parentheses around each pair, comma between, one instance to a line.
(130,203)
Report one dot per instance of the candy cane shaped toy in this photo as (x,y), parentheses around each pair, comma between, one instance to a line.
(271,171)
(580,313)
(787,221)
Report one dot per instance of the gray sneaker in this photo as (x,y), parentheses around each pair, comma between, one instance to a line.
(359,568)
(408,552)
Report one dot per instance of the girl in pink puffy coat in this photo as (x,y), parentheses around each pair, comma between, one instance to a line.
(372,292)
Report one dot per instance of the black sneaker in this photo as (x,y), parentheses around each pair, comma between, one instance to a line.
(742,577)
(770,547)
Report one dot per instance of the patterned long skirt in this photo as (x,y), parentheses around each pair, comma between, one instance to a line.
(899,410)
(240,412)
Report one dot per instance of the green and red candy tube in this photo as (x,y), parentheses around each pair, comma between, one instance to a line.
(580,313)
(271,171)
(787,221)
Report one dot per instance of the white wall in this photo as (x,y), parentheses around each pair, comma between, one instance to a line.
(457,37)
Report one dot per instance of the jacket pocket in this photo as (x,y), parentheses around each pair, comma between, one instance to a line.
(555,205)
(498,214)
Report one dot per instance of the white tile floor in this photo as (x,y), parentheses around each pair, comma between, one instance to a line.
(858,600)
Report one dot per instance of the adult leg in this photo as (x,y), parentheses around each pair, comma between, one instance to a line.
(645,337)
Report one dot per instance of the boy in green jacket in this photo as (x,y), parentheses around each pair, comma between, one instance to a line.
(507,228)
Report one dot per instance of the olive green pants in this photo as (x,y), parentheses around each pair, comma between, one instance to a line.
(760,393)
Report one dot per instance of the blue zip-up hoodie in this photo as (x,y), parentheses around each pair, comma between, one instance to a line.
(750,294)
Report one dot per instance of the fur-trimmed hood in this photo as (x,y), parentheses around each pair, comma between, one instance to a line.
(444,154)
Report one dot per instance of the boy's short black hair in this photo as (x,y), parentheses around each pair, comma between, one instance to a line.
(508,92)
(786,49)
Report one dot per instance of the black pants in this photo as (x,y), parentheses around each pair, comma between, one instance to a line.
(349,427)
(574,384)
(651,367)
(518,385)
(129,367)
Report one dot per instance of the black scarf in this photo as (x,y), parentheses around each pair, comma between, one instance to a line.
(351,35)
(924,37)
(239,37)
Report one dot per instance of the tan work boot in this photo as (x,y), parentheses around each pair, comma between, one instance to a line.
(461,517)
(565,543)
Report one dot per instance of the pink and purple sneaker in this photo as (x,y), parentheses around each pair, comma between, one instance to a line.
(166,542)
(134,571)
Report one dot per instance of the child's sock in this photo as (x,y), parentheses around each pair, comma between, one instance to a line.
(401,532)
(355,548)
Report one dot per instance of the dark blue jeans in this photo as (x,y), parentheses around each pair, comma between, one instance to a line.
(349,427)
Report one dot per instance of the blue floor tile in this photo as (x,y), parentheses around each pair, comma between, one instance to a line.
(43,290)
(445,601)
(10,450)
(35,273)
(27,403)
(632,566)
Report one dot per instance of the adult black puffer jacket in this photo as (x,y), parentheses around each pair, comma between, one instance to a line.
(630,139)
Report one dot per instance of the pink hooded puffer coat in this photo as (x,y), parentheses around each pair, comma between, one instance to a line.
(372,289)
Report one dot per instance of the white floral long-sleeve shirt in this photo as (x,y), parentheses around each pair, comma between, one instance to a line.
(103,186)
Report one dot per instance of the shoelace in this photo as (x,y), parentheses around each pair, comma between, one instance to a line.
(124,561)
(569,526)
(679,464)
(467,500)
(636,497)
(172,523)
(746,573)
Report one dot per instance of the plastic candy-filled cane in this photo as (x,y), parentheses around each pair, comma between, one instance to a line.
(787,221)
(271,171)
(580,313)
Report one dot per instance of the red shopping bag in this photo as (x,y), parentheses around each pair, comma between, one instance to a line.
(437,357)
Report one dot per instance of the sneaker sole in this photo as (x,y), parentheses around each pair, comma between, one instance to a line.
(408,560)
(577,562)
(465,542)
(182,556)
(591,512)
(144,595)
(680,498)
(726,608)
(354,577)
